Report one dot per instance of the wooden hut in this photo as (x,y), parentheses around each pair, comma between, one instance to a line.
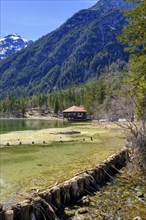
(75,113)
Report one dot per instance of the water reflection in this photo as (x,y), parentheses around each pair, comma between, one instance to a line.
(7,125)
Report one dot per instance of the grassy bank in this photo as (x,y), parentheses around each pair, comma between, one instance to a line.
(29,167)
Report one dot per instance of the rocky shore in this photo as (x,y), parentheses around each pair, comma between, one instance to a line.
(34,113)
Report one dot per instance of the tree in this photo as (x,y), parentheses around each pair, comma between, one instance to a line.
(56,107)
(134,38)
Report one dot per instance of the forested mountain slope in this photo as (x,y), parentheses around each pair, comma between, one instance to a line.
(77,51)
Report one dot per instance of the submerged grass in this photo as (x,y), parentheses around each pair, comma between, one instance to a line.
(28,167)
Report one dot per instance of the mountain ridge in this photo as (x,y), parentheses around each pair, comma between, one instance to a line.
(12,43)
(78,50)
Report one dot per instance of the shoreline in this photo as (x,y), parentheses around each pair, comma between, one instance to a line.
(47,117)
(60,134)
(32,113)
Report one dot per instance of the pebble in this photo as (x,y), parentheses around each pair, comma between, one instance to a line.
(82,210)
(137,218)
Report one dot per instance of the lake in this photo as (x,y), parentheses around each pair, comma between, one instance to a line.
(8,125)
(29,167)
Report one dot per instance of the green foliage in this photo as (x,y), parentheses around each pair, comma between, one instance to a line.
(56,107)
(134,37)
(74,53)
(95,94)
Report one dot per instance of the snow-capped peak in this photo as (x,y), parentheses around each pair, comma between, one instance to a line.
(14,37)
(11,44)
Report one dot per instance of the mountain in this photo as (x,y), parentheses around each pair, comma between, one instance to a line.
(11,44)
(74,53)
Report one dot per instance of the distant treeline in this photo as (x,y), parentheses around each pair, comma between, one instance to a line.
(95,96)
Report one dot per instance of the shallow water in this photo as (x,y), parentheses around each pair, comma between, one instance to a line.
(8,125)
(26,168)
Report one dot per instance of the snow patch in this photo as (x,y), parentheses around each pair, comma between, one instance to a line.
(14,38)
(24,40)
(2,39)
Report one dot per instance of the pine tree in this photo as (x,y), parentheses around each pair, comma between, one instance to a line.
(56,107)
(134,37)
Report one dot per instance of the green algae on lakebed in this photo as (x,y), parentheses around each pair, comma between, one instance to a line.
(28,167)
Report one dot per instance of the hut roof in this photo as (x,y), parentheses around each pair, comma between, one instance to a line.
(74,109)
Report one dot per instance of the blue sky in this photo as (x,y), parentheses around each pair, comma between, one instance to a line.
(34,18)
